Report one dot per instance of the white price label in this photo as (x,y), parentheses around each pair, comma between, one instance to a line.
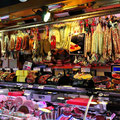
(30,86)
(1,68)
(7,68)
(85,69)
(15,69)
(36,68)
(19,84)
(41,87)
(77,66)
(102,86)
(48,69)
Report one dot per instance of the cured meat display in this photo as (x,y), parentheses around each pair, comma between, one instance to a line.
(59,70)
(100,44)
(29,109)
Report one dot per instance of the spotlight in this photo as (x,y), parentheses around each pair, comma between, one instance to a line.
(23,0)
(44,13)
(46,17)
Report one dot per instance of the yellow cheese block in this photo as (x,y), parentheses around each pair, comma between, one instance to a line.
(22,73)
(21,79)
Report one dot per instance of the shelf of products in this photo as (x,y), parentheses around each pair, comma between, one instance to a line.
(42,87)
(73,50)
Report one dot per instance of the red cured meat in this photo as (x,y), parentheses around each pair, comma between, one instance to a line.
(79,101)
(116,76)
(18,44)
(100,118)
(29,103)
(19,101)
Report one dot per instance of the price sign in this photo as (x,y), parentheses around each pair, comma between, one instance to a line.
(19,84)
(85,70)
(30,86)
(15,69)
(118,87)
(7,69)
(48,70)
(40,87)
(102,86)
(36,68)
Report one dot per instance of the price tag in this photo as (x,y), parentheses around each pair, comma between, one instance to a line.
(77,66)
(30,86)
(1,68)
(36,68)
(7,68)
(48,70)
(85,70)
(40,87)
(102,86)
(19,84)
(118,87)
(15,69)
(58,87)
(68,87)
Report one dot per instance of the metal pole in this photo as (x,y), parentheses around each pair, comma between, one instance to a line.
(88,105)
(66,19)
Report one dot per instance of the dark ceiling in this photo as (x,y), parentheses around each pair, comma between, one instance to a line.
(6,3)
(12,6)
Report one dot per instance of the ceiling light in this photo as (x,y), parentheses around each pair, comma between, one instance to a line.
(23,0)
(46,17)
(43,12)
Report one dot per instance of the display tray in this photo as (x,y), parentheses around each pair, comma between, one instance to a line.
(42,87)
(96,91)
(73,66)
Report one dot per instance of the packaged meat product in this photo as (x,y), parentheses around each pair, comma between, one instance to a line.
(19,101)
(116,75)
(31,77)
(43,79)
(10,104)
(17,93)
(115,81)
(98,117)
(82,76)
(30,105)
(10,77)
(99,79)
(63,117)
(3,98)
(23,109)
(79,101)
(4,75)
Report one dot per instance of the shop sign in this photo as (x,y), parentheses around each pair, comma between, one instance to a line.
(77,44)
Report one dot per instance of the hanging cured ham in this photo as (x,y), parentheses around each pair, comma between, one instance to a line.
(89,42)
(94,43)
(116,41)
(100,39)
(86,44)
(97,40)
(12,42)
(107,43)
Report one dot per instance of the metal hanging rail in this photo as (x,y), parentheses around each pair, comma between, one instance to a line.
(66,19)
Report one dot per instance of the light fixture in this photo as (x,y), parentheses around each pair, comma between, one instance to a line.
(23,0)
(44,13)
(46,17)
